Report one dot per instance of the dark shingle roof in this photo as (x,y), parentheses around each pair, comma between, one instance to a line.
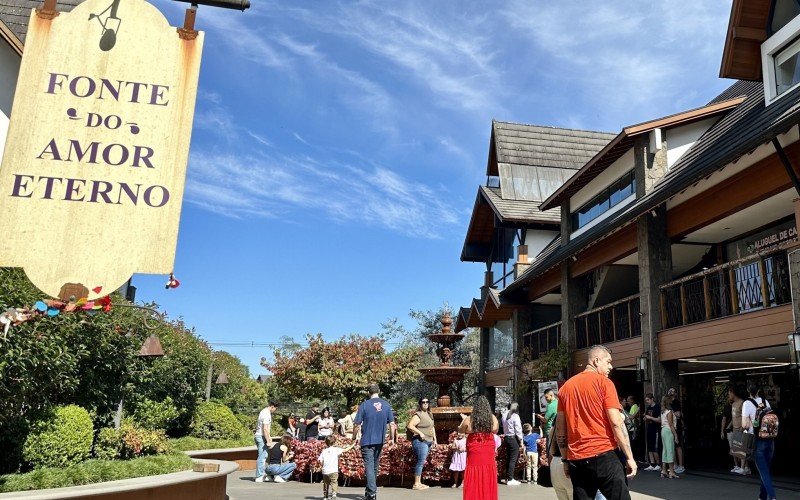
(520,144)
(16,13)
(519,210)
(742,130)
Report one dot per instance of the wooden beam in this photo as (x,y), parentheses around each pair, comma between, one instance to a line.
(763,179)
(618,245)
(545,283)
(752,34)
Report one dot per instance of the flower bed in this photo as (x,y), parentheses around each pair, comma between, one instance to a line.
(396,463)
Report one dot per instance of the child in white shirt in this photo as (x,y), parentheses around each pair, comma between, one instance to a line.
(329,459)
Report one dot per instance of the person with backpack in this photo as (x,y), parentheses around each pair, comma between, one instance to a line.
(759,419)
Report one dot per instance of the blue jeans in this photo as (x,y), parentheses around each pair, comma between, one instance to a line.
(262,455)
(371,454)
(421,448)
(284,470)
(765,449)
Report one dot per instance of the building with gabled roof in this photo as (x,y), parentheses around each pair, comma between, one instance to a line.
(677,247)
(508,230)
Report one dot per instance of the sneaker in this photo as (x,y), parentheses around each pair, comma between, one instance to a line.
(268,478)
(513,482)
(260,479)
(745,471)
(652,468)
(333,497)
(279,479)
(737,470)
(679,470)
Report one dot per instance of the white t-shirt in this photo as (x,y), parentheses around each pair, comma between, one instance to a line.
(749,410)
(264,419)
(330,459)
(326,427)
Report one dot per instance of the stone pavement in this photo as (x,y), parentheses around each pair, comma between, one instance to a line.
(646,486)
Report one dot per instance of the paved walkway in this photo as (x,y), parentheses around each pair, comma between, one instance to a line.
(646,486)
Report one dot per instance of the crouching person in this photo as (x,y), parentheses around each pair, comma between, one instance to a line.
(280,466)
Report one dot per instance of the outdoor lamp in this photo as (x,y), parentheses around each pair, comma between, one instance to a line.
(642,368)
(794,348)
(151,348)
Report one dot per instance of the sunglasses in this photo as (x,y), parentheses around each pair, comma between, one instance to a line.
(424,401)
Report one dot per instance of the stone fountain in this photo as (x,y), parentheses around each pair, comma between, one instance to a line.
(446,417)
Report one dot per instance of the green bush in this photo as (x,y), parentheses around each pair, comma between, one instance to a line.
(63,439)
(216,421)
(94,471)
(192,443)
(138,442)
(247,421)
(130,441)
(155,414)
(108,444)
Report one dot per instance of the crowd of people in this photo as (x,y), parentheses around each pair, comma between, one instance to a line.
(585,436)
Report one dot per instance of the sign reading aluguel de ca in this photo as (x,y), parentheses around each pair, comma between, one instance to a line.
(95,160)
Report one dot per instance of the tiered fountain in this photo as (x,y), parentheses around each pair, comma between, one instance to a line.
(446,417)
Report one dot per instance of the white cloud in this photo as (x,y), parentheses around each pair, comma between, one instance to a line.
(450,54)
(253,186)
(628,58)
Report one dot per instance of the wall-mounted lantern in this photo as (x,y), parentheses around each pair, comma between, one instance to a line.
(643,367)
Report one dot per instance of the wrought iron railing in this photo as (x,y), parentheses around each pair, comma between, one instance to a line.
(542,340)
(504,280)
(753,282)
(616,321)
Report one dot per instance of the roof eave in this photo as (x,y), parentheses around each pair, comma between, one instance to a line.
(740,38)
(11,39)
(669,121)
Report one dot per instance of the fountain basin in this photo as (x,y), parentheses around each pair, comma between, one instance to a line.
(444,375)
(445,338)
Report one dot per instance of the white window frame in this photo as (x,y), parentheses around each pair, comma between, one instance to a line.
(769,49)
(608,213)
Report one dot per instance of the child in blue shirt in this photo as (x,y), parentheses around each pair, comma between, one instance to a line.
(530,438)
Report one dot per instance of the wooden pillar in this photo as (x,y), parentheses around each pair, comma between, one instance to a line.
(707,296)
(762,269)
(734,291)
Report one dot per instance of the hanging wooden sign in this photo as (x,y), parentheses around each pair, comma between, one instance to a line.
(94,165)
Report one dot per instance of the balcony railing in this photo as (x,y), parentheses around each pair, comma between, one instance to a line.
(542,340)
(751,283)
(616,321)
(504,280)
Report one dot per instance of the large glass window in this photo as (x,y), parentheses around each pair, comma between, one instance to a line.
(501,345)
(783,11)
(609,197)
(787,72)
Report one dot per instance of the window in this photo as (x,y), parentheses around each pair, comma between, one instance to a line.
(783,11)
(787,72)
(780,53)
(608,198)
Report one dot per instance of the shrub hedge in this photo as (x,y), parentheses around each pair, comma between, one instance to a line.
(63,439)
(130,441)
(216,421)
(94,471)
(155,414)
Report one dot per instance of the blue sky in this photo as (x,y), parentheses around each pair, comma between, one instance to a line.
(338,146)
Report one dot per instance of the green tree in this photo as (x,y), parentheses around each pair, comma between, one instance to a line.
(242,393)
(342,368)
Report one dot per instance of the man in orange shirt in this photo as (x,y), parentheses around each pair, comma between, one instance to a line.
(590,426)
